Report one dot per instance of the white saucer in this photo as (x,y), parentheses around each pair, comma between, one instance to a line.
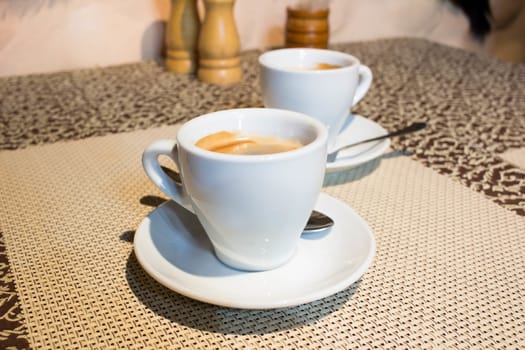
(358,128)
(173,248)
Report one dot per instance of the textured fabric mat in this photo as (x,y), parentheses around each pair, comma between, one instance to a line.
(448,272)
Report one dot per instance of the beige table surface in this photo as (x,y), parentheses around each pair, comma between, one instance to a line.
(447,207)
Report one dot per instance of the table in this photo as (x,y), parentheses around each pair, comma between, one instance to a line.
(447,206)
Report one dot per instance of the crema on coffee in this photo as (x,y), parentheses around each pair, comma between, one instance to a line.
(238,143)
(324,66)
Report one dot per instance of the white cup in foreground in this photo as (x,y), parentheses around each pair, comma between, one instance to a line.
(324,84)
(253,207)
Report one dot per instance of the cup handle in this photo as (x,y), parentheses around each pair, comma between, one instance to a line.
(365,80)
(152,167)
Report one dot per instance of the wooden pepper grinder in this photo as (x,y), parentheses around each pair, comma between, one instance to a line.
(307,27)
(181,37)
(219,44)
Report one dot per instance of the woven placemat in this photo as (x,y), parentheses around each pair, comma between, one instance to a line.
(448,271)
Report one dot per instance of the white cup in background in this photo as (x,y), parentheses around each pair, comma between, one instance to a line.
(289,81)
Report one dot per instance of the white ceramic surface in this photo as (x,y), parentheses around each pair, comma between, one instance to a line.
(173,248)
(327,95)
(219,187)
(356,129)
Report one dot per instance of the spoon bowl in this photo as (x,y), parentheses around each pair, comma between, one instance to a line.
(318,222)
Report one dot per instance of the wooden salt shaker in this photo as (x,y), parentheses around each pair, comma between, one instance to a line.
(181,37)
(307,28)
(219,44)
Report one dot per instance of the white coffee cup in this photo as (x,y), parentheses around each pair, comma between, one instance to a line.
(288,81)
(253,207)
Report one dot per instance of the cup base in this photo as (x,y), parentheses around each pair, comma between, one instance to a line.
(261,265)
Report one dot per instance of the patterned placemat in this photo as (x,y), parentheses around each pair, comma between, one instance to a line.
(448,271)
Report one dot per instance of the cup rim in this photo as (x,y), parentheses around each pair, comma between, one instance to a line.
(188,143)
(264,60)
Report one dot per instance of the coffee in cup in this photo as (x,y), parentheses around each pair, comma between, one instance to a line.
(323,66)
(252,207)
(298,79)
(238,143)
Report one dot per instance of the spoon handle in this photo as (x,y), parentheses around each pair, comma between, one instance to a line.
(411,128)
